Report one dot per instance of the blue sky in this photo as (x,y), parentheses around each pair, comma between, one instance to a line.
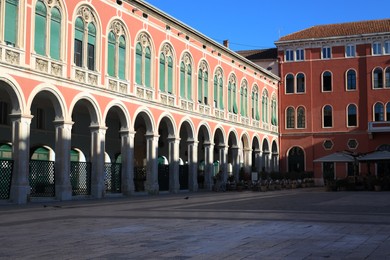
(257,24)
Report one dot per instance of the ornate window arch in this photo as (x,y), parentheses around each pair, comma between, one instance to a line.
(203,83)
(244,98)
(116,54)
(166,66)
(264,106)
(255,103)
(11,18)
(186,77)
(143,60)
(232,96)
(218,88)
(274,111)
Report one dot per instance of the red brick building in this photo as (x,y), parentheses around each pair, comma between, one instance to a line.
(334,96)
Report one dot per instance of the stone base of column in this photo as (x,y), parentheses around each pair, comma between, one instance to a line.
(152,189)
(63,192)
(20,194)
(97,191)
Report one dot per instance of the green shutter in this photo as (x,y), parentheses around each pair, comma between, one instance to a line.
(11,21)
(235,109)
(257,107)
(122,58)
(5,152)
(242,112)
(162,73)
(216,91)
(40,28)
(182,80)
(111,54)
(170,75)
(230,97)
(138,64)
(189,82)
(55,34)
(206,88)
(221,93)
(200,79)
(91,34)
(148,67)
(79,32)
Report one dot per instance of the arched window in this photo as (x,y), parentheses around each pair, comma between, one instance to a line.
(11,19)
(143,60)
(116,60)
(264,106)
(296,160)
(351,80)
(301,117)
(289,83)
(378,112)
(388,111)
(300,83)
(378,78)
(166,69)
(186,77)
(327,116)
(244,99)
(274,111)
(55,33)
(232,96)
(40,28)
(203,83)
(218,89)
(290,118)
(352,115)
(85,40)
(255,103)
(327,81)
(387,77)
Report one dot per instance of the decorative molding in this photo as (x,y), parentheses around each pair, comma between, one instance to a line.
(42,65)
(12,57)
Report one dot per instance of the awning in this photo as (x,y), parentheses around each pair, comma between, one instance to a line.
(376,156)
(336,157)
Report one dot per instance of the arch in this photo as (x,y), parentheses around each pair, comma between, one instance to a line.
(378,111)
(170,123)
(167,64)
(352,115)
(296,159)
(350,79)
(265,145)
(188,125)
(203,82)
(326,80)
(301,83)
(377,77)
(147,117)
(144,59)
(274,148)
(18,103)
(91,104)
(122,112)
(205,130)
(233,137)
(289,83)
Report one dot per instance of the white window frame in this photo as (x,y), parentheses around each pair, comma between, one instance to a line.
(326,52)
(377,48)
(350,51)
(289,55)
(300,54)
(386,47)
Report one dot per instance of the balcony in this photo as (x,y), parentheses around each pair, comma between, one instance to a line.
(379,127)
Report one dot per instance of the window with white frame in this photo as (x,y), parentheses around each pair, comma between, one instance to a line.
(290,118)
(376,48)
(289,55)
(387,47)
(350,51)
(327,116)
(326,52)
(378,112)
(352,115)
(300,54)
(351,80)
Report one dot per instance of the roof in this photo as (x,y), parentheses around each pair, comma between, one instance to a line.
(341,29)
(271,53)
(336,157)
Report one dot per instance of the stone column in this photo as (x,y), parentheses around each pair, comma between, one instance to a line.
(98,136)
(127,151)
(193,165)
(174,185)
(235,162)
(63,186)
(20,188)
(257,162)
(152,164)
(209,158)
(223,151)
(248,159)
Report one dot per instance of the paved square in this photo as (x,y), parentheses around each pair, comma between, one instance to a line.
(288,224)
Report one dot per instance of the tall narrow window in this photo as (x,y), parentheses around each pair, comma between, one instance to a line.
(186,77)
(289,83)
(274,112)
(111,54)
(91,46)
(289,55)
(327,81)
(351,80)
(11,22)
(40,28)
(116,51)
(387,47)
(55,34)
(376,48)
(244,100)
(352,115)
(300,83)
(78,42)
(232,96)
(255,104)
(388,111)
(264,108)
(203,87)
(216,103)
(143,60)
(326,53)
(387,77)
(378,112)
(378,78)
(327,116)
(300,54)
(290,120)
(350,51)
(301,117)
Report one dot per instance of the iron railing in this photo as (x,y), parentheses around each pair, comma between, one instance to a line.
(41,178)
(80,178)
(112,177)
(5,178)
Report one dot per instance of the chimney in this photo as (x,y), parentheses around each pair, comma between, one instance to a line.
(226,43)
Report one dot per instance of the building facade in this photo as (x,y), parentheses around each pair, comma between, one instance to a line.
(102,97)
(334,97)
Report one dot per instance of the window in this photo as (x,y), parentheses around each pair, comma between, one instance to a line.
(327,116)
(301,119)
(166,69)
(218,89)
(274,111)
(378,78)
(85,39)
(300,83)
(40,28)
(232,98)
(244,99)
(387,47)
(376,48)
(11,19)
(40,119)
(327,81)
(351,80)
(352,115)
(255,103)
(350,51)
(4,113)
(378,112)
(203,83)
(289,83)
(300,54)
(387,77)
(143,61)
(388,111)
(326,53)
(290,120)
(289,55)
(264,108)
(116,60)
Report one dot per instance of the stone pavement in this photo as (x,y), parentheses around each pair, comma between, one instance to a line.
(288,224)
